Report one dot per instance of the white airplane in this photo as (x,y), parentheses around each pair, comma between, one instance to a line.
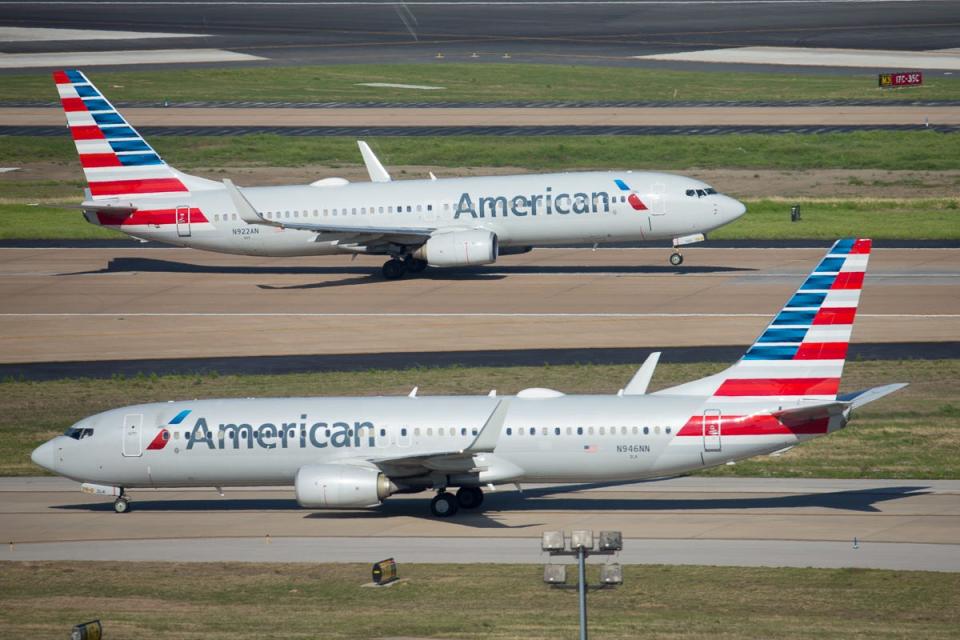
(353,452)
(443,223)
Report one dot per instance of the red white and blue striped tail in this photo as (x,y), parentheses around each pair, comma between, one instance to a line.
(117,161)
(801,353)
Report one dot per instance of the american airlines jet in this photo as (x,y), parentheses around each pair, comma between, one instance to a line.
(416,223)
(354,452)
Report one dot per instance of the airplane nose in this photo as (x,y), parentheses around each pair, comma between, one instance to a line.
(45,456)
(735,208)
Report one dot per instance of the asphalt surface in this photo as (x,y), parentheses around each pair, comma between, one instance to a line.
(897,524)
(135,307)
(570,32)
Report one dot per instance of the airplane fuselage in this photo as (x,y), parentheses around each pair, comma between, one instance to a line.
(522,211)
(546,439)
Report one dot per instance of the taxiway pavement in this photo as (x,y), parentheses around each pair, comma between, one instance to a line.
(64,304)
(897,524)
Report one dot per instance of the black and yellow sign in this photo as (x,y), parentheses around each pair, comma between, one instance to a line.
(385,571)
(87,631)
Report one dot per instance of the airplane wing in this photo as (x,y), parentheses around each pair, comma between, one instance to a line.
(400,235)
(456,460)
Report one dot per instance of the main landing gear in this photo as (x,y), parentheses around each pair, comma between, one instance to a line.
(122,503)
(676,258)
(395,268)
(445,504)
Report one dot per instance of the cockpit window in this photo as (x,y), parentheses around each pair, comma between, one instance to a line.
(691,192)
(711,191)
(701,193)
(78,434)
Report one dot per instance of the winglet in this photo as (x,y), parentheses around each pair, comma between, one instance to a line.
(245,210)
(641,379)
(486,440)
(374,168)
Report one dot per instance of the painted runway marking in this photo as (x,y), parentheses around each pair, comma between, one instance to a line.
(391,85)
(817,57)
(30,34)
(94,58)
(188,314)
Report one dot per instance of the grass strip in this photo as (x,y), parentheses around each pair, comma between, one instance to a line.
(885,150)
(179,601)
(911,219)
(914,433)
(477,82)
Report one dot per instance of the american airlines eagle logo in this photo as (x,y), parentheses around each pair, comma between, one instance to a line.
(633,198)
(163,437)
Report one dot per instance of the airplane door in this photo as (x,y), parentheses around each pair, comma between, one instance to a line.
(658,204)
(711,430)
(183,221)
(132,430)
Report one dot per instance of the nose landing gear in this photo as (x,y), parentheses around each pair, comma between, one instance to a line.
(122,503)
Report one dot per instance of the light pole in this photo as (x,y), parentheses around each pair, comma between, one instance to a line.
(581,546)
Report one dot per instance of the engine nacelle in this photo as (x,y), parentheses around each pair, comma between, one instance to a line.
(459,249)
(334,486)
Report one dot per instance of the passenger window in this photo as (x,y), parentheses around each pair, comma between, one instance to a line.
(579,431)
(429,207)
(602,431)
(569,431)
(668,430)
(416,431)
(381,209)
(635,431)
(383,432)
(590,430)
(403,431)
(429,431)
(363,211)
(509,431)
(646,431)
(409,209)
(533,431)
(556,431)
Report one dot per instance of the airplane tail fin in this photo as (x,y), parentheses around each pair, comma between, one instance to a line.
(801,353)
(117,161)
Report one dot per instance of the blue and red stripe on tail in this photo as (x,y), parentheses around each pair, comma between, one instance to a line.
(801,353)
(117,161)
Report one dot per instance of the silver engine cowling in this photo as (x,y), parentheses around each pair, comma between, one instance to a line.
(459,249)
(334,486)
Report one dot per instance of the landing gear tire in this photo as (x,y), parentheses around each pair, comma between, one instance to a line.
(393,269)
(415,265)
(121,505)
(470,497)
(444,505)
(676,258)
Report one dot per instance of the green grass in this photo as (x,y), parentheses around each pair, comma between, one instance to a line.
(937,219)
(914,433)
(476,82)
(177,601)
(885,150)
(878,219)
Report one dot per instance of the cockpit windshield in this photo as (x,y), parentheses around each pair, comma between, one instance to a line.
(78,434)
(700,193)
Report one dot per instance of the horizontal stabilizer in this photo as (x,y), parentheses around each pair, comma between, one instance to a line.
(797,416)
(860,398)
(641,379)
(100,206)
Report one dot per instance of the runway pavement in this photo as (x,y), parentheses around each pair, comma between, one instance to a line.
(137,303)
(582,32)
(897,524)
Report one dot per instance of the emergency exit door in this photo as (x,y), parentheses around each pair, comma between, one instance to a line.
(132,434)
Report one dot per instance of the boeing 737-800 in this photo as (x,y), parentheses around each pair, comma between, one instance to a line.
(443,223)
(354,452)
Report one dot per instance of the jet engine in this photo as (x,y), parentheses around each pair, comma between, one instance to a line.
(333,486)
(459,249)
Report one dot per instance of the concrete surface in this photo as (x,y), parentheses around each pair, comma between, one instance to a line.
(902,524)
(116,304)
